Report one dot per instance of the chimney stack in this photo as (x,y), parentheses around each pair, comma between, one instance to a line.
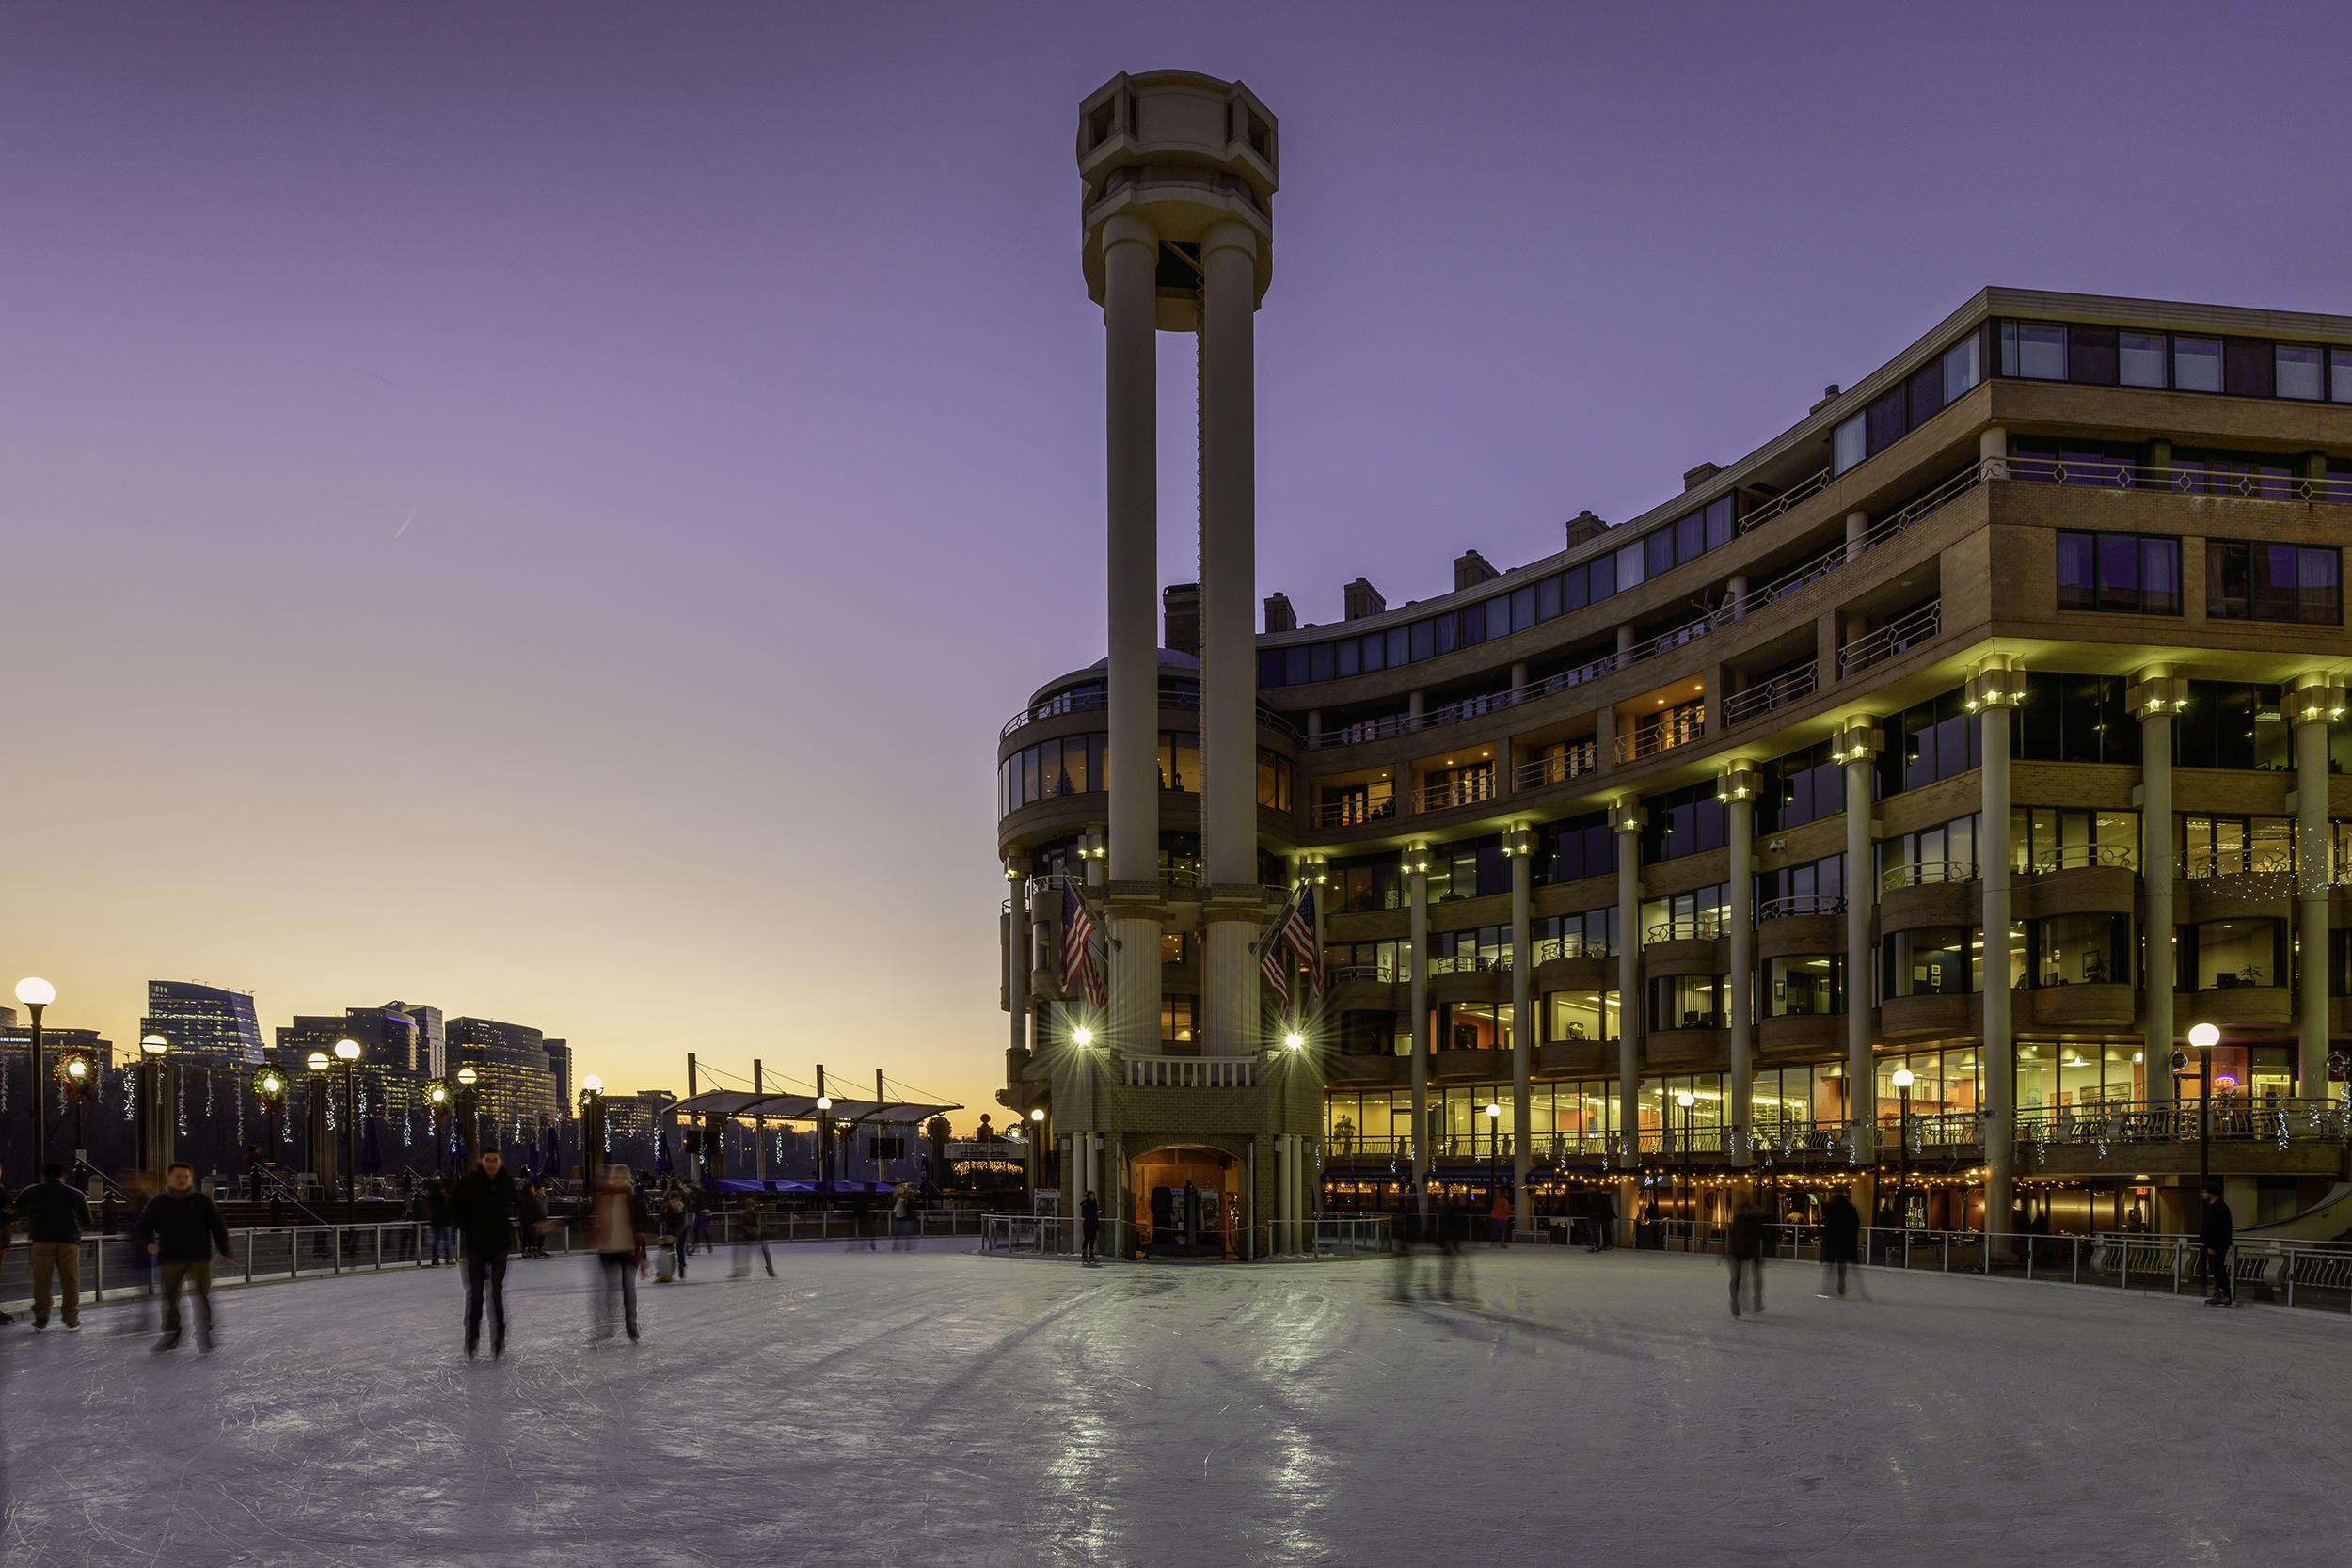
(1470,569)
(1583,526)
(1693,477)
(1362,599)
(1280,616)
(1179,611)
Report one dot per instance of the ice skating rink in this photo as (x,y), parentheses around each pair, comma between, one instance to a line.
(944,1407)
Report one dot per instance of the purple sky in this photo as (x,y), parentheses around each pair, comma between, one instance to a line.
(542,510)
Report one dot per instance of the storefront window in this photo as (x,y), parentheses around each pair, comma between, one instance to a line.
(1942,1083)
(1935,960)
(1664,1118)
(1810,984)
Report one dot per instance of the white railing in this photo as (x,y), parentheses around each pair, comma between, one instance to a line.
(1691,927)
(1924,873)
(1798,905)
(1800,578)
(1568,947)
(1354,811)
(1671,730)
(1461,792)
(1192,1072)
(1779,505)
(2122,475)
(1779,691)
(1897,636)
(1582,757)
(1470,964)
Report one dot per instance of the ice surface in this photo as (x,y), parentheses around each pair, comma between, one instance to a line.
(944,1407)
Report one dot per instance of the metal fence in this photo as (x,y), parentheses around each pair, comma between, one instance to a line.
(1063,1236)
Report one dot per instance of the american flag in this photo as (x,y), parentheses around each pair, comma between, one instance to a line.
(1270,965)
(1079,972)
(1299,936)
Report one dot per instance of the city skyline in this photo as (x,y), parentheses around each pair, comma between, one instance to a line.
(565,486)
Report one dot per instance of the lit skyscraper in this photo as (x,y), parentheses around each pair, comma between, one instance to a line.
(204,1022)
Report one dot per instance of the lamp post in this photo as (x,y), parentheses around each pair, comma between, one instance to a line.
(2204,1037)
(1685,1099)
(1494,1153)
(591,1132)
(37,994)
(469,1117)
(320,1149)
(436,1103)
(1037,1152)
(1903,1134)
(269,1086)
(347,1052)
(155,1127)
(77,1080)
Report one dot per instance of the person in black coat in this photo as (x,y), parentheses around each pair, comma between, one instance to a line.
(2214,1236)
(1744,1250)
(182,1229)
(55,1217)
(482,1210)
(435,1216)
(1090,1226)
(1841,1244)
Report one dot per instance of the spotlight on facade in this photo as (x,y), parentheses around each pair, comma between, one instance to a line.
(1294,1040)
(1082,1036)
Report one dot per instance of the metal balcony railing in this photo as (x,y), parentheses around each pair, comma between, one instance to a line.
(1568,947)
(1689,928)
(1470,964)
(1803,490)
(1926,873)
(2121,474)
(1191,1073)
(1460,792)
(1582,757)
(1820,567)
(1899,636)
(1671,730)
(1094,702)
(1798,904)
(1779,691)
(2073,857)
(1354,811)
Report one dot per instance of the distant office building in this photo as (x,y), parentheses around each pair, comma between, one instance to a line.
(205,1023)
(514,1082)
(559,1064)
(16,1043)
(394,1052)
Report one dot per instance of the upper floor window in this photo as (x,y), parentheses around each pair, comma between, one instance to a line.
(1473,868)
(1578,846)
(1802,787)
(1686,821)
(2068,718)
(1700,915)
(1931,740)
(2051,838)
(2035,350)
(2138,573)
(1590,935)
(1817,887)
(1274,780)
(1369,882)
(2246,581)
(2232,724)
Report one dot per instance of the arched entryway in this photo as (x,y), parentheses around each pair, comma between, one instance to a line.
(1186,1202)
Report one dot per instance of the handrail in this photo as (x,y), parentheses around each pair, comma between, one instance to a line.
(1353,811)
(1689,928)
(1779,691)
(1549,948)
(1582,757)
(1093,702)
(1786,499)
(1470,964)
(2075,856)
(1662,737)
(2125,475)
(2234,863)
(1800,904)
(1802,577)
(1897,636)
(1359,971)
(1927,872)
(1190,1072)
(1478,786)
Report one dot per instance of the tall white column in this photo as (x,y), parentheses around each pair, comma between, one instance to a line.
(1417,883)
(1131,449)
(2152,697)
(1737,790)
(1626,819)
(1994,693)
(2310,705)
(1229,572)
(1521,847)
(1861,1082)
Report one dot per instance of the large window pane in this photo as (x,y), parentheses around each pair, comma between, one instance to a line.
(2317,590)
(2197,364)
(2039,350)
(1935,960)
(2339,374)
(1808,985)
(2297,371)
(2082,950)
(2231,954)
(1628,566)
(2139,359)
(2160,576)
(2118,571)
(1960,368)
(1658,553)
(1849,445)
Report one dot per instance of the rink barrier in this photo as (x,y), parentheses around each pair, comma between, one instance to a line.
(1325,1236)
(2313,1276)
(266,1254)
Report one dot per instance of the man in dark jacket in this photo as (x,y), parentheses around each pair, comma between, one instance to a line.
(482,1210)
(182,1229)
(436,1215)
(1090,1226)
(2214,1236)
(1841,1243)
(1746,1251)
(54,1215)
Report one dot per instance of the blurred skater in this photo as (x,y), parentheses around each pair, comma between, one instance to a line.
(55,1218)
(1604,1221)
(531,1219)
(750,1232)
(436,1215)
(902,1219)
(1454,1226)
(620,1248)
(1090,1227)
(1406,1241)
(677,1229)
(1841,1244)
(182,1229)
(482,1210)
(1498,1216)
(1745,1251)
(2214,1236)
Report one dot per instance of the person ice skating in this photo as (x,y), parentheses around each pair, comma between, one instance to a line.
(1498,1216)
(1405,1241)
(482,1210)
(1090,1226)
(677,1229)
(750,1231)
(1746,1252)
(620,1248)
(2214,1236)
(55,1217)
(1454,1225)
(531,1219)
(902,1219)
(182,1229)
(1841,1241)
(8,1220)
(1604,1221)
(436,1214)
(698,1205)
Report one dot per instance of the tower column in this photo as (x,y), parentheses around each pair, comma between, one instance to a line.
(1993,695)
(1736,788)
(2156,695)
(1626,819)
(1131,452)
(1856,745)
(1228,573)
(1520,844)
(2313,701)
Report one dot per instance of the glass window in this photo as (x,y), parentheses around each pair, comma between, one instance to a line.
(1579,1015)
(1449,634)
(1628,568)
(2339,374)
(2197,364)
(2296,373)
(1849,444)
(2077,574)
(1934,960)
(1658,553)
(1294,666)
(2083,950)
(1274,780)
(1720,527)
(1804,985)
(1180,760)
(1689,1001)
(2035,350)
(1960,368)
(1602,573)
(1398,650)
(1548,595)
(1344,658)
(1886,421)
(2226,954)
(1522,609)
(1424,635)
(2139,359)
(1926,395)
(1321,661)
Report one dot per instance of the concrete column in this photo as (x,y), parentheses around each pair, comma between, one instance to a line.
(1417,882)
(1861,1094)
(1993,452)
(1229,550)
(1736,591)
(1231,1017)
(1017,940)
(1521,846)
(1997,1061)
(1627,821)
(2155,875)
(1739,791)
(1858,532)
(1131,406)
(1133,993)
(1414,704)
(1625,640)
(2311,706)
(1315,728)
(1519,678)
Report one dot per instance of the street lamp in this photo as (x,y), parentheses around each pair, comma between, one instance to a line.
(155,1126)
(269,1088)
(824,1136)
(37,994)
(468,1110)
(76,1069)
(2204,1037)
(1294,1040)
(1685,1099)
(1494,1153)
(1082,1037)
(347,1052)
(1902,1131)
(1037,1152)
